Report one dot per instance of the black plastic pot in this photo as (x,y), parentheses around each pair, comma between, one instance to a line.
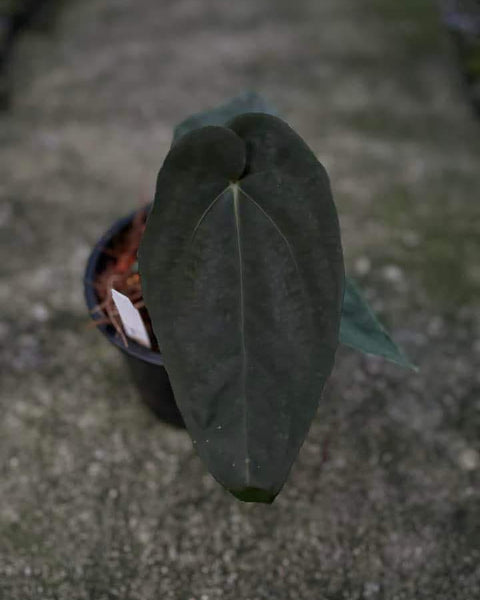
(146,366)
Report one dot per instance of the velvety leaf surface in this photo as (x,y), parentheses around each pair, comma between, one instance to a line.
(242,274)
(247,102)
(360,329)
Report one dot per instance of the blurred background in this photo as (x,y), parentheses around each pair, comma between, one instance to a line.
(98,499)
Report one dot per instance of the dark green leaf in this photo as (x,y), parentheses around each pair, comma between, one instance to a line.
(247,102)
(242,274)
(360,329)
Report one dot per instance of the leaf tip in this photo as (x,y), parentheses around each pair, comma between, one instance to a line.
(253,494)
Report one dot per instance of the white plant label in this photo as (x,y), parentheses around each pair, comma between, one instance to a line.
(131,320)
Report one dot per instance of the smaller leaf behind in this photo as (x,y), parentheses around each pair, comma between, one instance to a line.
(246,102)
(360,329)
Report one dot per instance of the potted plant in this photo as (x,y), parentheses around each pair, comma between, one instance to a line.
(242,284)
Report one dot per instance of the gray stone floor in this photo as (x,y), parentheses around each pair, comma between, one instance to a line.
(100,501)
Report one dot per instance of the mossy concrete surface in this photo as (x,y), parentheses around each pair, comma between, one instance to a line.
(100,501)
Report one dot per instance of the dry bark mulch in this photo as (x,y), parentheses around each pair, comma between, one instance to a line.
(121,274)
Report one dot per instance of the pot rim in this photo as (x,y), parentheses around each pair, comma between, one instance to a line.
(134,348)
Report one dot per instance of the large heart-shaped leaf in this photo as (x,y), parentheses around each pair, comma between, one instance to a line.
(246,102)
(360,329)
(242,274)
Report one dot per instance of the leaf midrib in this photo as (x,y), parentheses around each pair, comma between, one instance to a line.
(236,191)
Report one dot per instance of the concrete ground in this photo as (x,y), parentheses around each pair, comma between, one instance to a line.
(98,500)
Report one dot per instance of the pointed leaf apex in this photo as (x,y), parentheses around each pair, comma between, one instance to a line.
(253,494)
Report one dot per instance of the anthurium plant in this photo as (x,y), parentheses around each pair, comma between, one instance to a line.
(243,277)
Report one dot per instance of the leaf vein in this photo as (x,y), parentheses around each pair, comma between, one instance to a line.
(242,330)
(205,212)
(277,228)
